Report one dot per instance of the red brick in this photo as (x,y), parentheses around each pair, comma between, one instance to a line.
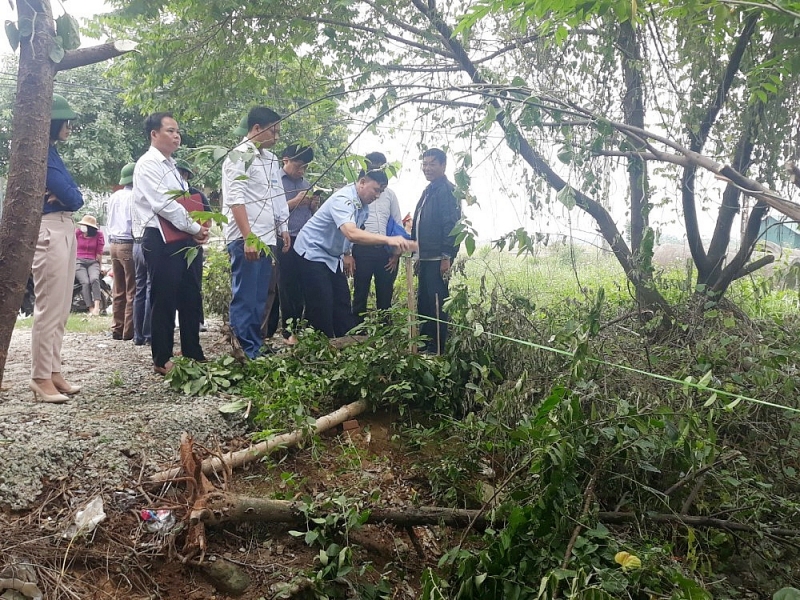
(350,425)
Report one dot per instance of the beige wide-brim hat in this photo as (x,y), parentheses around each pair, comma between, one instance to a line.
(89,221)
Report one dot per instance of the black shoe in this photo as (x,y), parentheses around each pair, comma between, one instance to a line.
(116,336)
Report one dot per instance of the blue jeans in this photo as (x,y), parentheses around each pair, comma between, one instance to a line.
(141,299)
(249,288)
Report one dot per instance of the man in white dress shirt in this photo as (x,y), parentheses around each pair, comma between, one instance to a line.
(120,236)
(255,204)
(174,280)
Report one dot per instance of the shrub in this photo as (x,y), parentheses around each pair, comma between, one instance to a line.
(216,282)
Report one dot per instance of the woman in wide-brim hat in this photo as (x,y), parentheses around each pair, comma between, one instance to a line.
(89,262)
(54,265)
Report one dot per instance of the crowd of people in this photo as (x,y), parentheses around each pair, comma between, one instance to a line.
(290,255)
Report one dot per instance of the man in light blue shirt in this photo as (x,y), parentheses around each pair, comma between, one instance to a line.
(322,244)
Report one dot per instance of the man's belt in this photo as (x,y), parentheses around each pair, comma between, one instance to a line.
(117,240)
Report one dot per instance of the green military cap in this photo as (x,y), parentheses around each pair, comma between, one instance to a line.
(126,174)
(242,129)
(61,110)
(184,165)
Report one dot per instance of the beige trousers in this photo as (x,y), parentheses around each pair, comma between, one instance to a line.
(53,277)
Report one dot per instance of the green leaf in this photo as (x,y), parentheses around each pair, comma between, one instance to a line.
(219,153)
(68,30)
(232,407)
(734,404)
(787,593)
(691,590)
(595,594)
(56,50)
(565,155)
(469,244)
(567,197)
(704,380)
(12,33)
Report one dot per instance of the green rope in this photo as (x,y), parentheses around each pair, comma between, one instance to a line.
(696,385)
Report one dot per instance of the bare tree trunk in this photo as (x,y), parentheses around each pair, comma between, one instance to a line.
(230,508)
(718,248)
(27,169)
(633,107)
(697,141)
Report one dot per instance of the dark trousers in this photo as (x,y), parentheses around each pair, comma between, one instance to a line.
(327,298)
(431,294)
(269,325)
(290,286)
(371,262)
(141,299)
(175,285)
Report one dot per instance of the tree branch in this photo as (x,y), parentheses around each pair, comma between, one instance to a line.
(749,238)
(755,266)
(730,199)
(89,56)
(377,32)
(698,139)
(514,45)
(413,69)
(620,154)
(629,517)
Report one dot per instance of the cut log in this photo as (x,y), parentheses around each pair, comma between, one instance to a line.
(223,508)
(242,457)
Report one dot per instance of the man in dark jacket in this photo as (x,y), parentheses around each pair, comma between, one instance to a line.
(436,215)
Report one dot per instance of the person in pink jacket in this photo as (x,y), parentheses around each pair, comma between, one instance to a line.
(89,262)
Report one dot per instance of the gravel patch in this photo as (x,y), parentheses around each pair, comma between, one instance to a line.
(124,417)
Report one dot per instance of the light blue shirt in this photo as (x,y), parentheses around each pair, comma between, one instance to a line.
(320,239)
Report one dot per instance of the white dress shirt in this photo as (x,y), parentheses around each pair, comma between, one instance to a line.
(155,181)
(251,177)
(118,222)
(379,212)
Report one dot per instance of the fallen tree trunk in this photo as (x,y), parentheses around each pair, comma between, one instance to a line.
(221,508)
(242,457)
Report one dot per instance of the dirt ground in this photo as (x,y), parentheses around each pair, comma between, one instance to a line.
(125,425)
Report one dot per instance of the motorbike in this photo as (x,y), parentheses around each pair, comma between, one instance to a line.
(78,305)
